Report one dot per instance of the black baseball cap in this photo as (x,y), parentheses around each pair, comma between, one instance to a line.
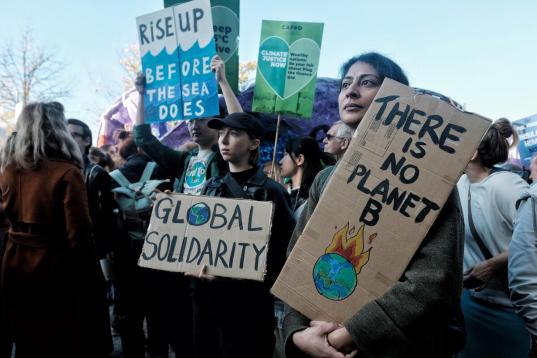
(241,120)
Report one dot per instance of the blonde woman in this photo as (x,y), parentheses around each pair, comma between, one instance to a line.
(48,271)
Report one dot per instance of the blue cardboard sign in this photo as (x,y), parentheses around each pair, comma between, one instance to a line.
(176,46)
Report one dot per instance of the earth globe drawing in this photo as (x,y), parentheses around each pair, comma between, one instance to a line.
(198,214)
(334,276)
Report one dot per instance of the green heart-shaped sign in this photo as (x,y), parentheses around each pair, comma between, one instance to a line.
(226,31)
(287,69)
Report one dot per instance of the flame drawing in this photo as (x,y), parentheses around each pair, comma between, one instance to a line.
(351,248)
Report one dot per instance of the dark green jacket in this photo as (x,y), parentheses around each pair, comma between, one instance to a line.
(410,320)
(172,161)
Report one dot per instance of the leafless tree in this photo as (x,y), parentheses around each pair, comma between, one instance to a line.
(106,90)
(28,73)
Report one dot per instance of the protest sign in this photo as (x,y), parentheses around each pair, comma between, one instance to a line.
(403,162)
(527,133)
(229,236)
(287,67)
(226,35)
(176,48)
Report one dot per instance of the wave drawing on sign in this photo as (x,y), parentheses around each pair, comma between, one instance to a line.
(335,273)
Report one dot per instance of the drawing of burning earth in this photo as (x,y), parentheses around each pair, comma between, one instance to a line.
(335,273)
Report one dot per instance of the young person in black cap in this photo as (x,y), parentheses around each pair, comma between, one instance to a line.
(243,310)
(191,170)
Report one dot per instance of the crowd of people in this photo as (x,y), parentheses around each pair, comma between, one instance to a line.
(70,243)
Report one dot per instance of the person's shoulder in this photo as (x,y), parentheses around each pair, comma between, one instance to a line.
(506,176)
(463,180)
(60,166)
(66,170)
(509,183)
(532,190)
(212,186)
(322,177)
(273,186)
(95,171)
(214,182)
(326,173)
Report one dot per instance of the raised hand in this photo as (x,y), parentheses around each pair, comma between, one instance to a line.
(139,83)
(219,68)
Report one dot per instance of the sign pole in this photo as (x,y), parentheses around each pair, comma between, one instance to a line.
(273,173)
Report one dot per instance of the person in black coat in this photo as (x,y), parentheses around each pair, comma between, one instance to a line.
(141,293)
(243,310)
(101,207)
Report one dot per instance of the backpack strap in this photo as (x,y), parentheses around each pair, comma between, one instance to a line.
(118,176)
(502,274)
(484,250)
(148,171)
(534,213)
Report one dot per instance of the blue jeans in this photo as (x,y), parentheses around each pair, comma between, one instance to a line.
(492,330)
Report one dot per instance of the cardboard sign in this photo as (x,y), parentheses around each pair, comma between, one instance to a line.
(403,162)
(226,27)
(527,133)
(287,67)
(176,47)
(229,236)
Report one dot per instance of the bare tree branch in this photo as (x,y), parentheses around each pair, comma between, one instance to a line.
(28,73)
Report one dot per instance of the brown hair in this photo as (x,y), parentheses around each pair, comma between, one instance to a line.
(127,148)
(494,147)
(507,130)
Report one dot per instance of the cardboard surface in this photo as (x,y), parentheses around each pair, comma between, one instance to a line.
(229,236)
(403,162)
(176,48)
(287,67)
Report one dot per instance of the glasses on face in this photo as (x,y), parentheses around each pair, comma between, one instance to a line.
(76,134)
(330,137)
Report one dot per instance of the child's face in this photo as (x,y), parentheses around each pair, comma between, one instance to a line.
(235,145)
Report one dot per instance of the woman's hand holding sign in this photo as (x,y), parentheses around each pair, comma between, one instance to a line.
(325,339)
(314,340)
(139,84)
(219,68)
(202,274)
(341,340)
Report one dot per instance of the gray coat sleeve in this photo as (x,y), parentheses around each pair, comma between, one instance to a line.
(293,320)
(169,160)
(523,266)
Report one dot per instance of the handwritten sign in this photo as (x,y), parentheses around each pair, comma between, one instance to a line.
(226,35)
(228,236)
(406,156)
(287,67)
(176,47)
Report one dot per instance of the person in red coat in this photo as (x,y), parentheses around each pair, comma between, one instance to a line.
(48,269)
